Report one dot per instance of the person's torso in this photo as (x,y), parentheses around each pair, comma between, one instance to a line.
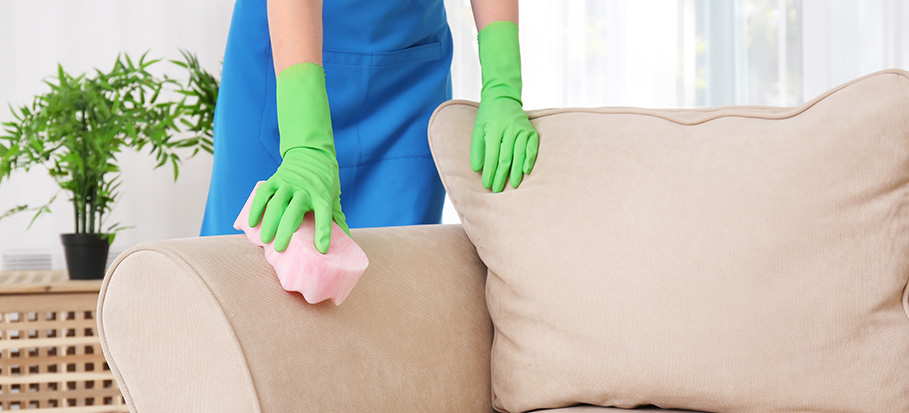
(367,26)
(387,65)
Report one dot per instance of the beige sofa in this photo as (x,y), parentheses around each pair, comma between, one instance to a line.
(744,259)
(202,325)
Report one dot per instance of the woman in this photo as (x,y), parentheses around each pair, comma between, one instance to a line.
(386,67)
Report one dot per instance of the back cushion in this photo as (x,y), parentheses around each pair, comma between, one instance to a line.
(727,259)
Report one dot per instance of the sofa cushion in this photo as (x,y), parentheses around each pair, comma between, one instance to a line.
(724,259)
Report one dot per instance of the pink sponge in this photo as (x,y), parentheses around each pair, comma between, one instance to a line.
(304,269)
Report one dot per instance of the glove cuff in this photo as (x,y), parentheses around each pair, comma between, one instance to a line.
(500,61)
(304,119)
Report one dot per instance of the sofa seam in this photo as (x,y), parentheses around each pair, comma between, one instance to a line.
(792,112)
(173,256)
(906,298)
(102,338)
(182,262)
(906,288)
(435,161)
(795,111)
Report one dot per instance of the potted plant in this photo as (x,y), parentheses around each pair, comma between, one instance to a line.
(77,128)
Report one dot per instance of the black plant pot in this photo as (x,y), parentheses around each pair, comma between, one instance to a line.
(86,255)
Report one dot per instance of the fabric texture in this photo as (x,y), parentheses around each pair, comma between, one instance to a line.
(725,259)
(168,342)
(202,325)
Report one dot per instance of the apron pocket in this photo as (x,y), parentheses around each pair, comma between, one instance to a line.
(429,51)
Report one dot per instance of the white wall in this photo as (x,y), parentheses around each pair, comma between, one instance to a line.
(82,34)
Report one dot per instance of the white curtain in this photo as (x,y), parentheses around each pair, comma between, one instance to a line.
(688,53)
(844,39)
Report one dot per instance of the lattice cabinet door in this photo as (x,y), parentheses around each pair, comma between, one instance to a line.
(50,356)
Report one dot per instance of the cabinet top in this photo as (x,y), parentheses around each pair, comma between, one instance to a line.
(44,282)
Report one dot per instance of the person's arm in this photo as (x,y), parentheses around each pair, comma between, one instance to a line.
(504,142)
(488,11)
(307,179)
(295,27)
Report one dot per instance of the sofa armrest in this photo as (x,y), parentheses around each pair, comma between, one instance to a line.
(202,324)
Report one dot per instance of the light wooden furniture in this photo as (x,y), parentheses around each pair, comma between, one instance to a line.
(50,357)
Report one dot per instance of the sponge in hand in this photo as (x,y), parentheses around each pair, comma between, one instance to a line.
(304,269)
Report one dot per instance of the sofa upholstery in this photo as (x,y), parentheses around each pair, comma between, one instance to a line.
(202,325)
(720,259)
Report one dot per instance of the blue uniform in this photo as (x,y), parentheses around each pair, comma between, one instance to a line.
(387,66)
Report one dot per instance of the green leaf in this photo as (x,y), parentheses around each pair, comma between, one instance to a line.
(13,211)
(12,151)
(13,111)
(154,97)
(131,130)
(150,62)
(42,210)
(175,162)
(52,86)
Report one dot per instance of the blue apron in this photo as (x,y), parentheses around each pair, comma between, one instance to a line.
(387,66)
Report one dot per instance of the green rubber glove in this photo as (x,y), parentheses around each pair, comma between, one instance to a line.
(503,141)
(307,179)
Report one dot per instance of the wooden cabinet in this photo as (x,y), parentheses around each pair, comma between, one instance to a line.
(50,356)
